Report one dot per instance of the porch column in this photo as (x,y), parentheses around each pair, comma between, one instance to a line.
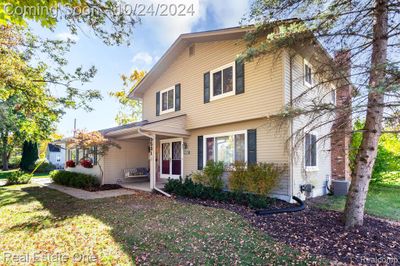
(153,163)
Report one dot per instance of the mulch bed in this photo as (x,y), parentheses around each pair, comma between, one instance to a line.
(104,187)
(321,233)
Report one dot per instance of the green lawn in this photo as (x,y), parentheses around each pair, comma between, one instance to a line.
(383,201)
(5,174)
(147,228)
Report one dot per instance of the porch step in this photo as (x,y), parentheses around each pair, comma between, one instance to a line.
(137,186)
(132,180)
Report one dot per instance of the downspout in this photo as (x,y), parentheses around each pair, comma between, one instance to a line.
(291,160)
(152,182)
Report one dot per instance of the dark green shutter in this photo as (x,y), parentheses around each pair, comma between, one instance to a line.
(177,97)
(95,155)
(158,103)
(77,156)
(207,87)
(239,76)
(307,150)
(251,146)
(200,152)
(313,150)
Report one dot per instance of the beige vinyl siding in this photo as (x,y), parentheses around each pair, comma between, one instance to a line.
(300,175)
(133,153)
(174,124)
(271,146)
(95,171)
(264,94)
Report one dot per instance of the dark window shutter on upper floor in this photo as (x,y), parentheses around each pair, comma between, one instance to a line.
(200,153)
(177,97)
(251,146)
(239,76)
(158,103)
(207,87)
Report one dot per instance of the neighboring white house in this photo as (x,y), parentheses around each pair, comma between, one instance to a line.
(55,154)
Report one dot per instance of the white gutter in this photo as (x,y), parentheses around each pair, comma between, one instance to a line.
(152,179)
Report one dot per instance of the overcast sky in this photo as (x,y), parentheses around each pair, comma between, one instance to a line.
(150,41)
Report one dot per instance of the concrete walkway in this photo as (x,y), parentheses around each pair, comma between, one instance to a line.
(83,194)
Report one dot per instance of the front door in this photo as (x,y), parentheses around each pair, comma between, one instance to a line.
(171,158)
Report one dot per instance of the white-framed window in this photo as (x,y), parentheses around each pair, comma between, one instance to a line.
(311,151)
(333,95)
(167,100)
(308,75)
(222,81)
(227,147)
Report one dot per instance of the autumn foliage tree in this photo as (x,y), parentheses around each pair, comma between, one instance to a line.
(130,109)
(95,143)
(369,31)
(28,106)
(103,18)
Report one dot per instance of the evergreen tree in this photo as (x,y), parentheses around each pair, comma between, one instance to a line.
(29,155)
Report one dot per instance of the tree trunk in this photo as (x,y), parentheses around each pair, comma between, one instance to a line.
(361,176)
(4,157)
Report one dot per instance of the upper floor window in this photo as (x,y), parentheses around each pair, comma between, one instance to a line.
(310,149)
(308,76)
(167,100)
(223,81)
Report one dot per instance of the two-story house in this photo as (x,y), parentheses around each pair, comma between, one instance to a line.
(200,104)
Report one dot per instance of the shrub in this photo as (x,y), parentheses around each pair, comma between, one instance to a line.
(72,179)
(238,177)
(211,175)
(258,178)
(13,163)
(190,189)
(42,166)
(387,158)
(18,177)
(70,163)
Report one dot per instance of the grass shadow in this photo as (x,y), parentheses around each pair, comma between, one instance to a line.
(141,229)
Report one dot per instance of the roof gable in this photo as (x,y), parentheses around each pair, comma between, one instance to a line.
(54,148)
(183,41)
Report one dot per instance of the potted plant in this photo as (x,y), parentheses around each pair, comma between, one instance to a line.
(87,163)
(70,163)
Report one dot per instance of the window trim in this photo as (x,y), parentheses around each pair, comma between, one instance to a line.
(224,134)
(333,95)
(169,110)
(226,94)
(311,168)
(306,63)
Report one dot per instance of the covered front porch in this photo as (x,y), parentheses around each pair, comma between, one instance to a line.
(161,143)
